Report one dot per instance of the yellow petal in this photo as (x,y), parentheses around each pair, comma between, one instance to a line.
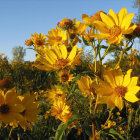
(107,20)
(121,15)
(114,16)
(63,51)
(129,96)
(101,26)
(127,78)
(119,102)
(104,88)
(127,21)
(72,53)
(108,76)
(133,82)
(129,30)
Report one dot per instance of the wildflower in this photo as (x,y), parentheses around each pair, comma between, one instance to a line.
(116,87)
(87,86)
(90,35)
(56,58)
(65,76)
(10,107)
(56,36)
(39,40)
(29,42)
(61,110)
(54,94)
(114,26)
(30,110)
(65,23)
(90,20)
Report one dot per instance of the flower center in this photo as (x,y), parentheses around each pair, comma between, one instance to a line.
(65,78)
(58,38)
(4,109)
(115,30)
(61,62)
(39,42)
(120,90)
(23,112)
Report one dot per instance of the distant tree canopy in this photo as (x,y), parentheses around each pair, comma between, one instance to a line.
(18,54)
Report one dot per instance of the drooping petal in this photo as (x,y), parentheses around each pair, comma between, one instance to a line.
(119,102)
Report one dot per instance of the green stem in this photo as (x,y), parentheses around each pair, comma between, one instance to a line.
(105,53)
(122,54)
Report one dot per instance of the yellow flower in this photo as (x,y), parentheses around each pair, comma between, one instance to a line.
(116,87)
(39,40)
(90,20)
(56,36)
(114,26)
(65,76)
(10,107)
(54,94)
(30,110)
(65,23)
(90,35)
(87,86)
(57,57)
(29,42)
(60,109)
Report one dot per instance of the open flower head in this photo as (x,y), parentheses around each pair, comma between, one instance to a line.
(54,94)
(65,76)
(65,23)
(10,107)
(30,110)
(117,87)
(87,86)
(56,36)
(113,26)
(57,57)
(61,110)
(90,20)
(39,40)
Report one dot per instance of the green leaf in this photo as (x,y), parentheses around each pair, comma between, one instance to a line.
(87,129)
(117,135)
(61,128)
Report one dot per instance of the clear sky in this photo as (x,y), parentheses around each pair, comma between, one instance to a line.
(21,18)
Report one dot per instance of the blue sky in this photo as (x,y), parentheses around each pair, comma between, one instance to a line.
(21,18)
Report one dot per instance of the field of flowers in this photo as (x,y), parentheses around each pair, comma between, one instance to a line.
(68,94)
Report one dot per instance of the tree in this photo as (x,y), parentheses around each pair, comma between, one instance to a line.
(18,54)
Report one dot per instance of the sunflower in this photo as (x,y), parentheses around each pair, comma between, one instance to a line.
(114,26)
(10,107)
(57,57)
(87,86)
(54,94)
(39,40)
(56,36)
(117,87)
(65,76)
(90,20)
(30,110)
(61,110)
